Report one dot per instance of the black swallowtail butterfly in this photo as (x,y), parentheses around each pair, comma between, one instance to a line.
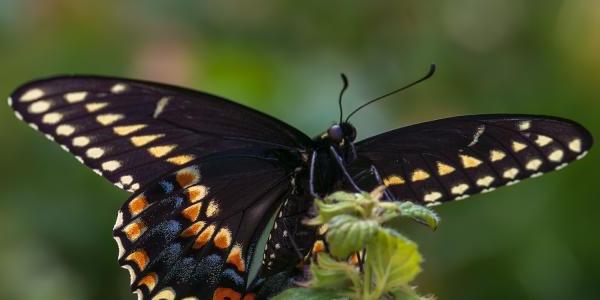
(219,189)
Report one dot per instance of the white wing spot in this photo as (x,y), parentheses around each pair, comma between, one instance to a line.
(485,181)
(65,129)
(575,145)
(556,155)
(39,107)
(459,189)
(97,172)
(582,155)
(477,134)
(52,118)
(49,137)
(561,166)
(33,125)
(107,119)
(18,115)
(462,197)
(79,159)
(135,187)
(538,174)
(10,101)
(118,88)
(432,204)
(512,182)
(524,125)
(160,106)
(120,247)
(75,97)
(533,164)
(64,148)
(111,165)
(81,141)
(94,153)
(430,197)
(510,173)
(543,140)
(119,220)
(31,95)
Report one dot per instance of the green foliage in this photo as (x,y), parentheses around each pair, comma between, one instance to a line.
(361,224)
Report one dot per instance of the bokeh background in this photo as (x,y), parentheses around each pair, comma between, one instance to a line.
(535,240)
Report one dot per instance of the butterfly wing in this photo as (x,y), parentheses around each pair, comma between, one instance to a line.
(452,158)
(132,131)
(194,233)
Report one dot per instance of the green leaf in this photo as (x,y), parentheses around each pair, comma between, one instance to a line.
(331,274)
(308,294)
(419,213)
(392,260)
(329,210)
(349,234)
(406,293)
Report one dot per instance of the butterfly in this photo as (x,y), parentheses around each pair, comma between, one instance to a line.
(220,190)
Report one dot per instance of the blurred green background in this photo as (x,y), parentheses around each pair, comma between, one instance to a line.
(536,240)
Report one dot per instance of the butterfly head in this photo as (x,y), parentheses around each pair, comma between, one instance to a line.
(341,133)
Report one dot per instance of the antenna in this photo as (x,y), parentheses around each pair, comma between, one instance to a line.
(429,74)
(345,83)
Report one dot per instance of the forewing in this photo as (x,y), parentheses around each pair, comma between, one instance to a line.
(131,131)
(194,232)
(452,158)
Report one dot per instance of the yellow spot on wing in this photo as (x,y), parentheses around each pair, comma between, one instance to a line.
(393,180)
(160,151)
(510,173)
(127,129)
(524,125)
(212,209)
(92,107)
(111,165)
(118,88)
(181,159)
(533,164)
(459,189)
(107,119)
(32,95)
(543,140)
(418,175)
(126,179)
(94,152)
(75,97)
(39,106)
(496,155)
(430,197)
(485,181)
(144,139)
(444,169)
(516,146)
(165,294)
(65,130)
(575,145)
(556,155)
(52,118)
(81,141)
(469,161)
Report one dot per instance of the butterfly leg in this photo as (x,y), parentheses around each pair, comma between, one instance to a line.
(311,179)
(341,164)
(386,192)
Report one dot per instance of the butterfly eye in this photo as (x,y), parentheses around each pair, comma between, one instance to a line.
(336,133)
(349,132)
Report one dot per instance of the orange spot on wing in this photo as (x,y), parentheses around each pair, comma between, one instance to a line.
(191,213)
(149,281)
(318,246)
(354,259)
(223,238)
(140,258)
(235,258)
(137,205)
(204,237)
(186,178)
(134,230)
(197,193)
(193,230)
(226,294)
